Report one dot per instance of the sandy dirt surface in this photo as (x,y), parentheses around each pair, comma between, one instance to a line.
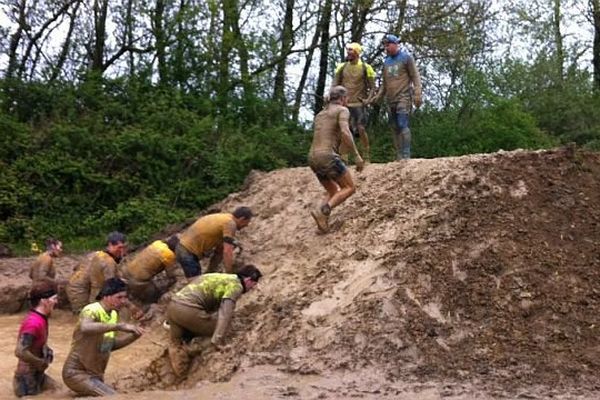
(455,278)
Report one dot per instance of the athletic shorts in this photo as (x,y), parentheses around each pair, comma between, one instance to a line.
(327,167)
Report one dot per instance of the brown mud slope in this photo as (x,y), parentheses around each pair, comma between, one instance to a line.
(481,269)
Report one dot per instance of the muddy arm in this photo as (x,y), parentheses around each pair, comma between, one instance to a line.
(223,321)
(23,352)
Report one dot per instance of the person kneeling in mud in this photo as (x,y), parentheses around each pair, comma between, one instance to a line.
(141,271)
(32,350)
(205,308)
(94,338)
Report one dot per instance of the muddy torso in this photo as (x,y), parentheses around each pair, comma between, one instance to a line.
(149,262)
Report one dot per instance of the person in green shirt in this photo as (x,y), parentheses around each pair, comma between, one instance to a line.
(205,307)
(95,337)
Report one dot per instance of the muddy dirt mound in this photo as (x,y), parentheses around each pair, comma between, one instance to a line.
(481,268)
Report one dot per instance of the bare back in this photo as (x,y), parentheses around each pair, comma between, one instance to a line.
(328,130)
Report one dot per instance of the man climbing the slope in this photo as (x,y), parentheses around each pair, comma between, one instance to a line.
(141,271)
(213,232)
(205,308)
(331,129)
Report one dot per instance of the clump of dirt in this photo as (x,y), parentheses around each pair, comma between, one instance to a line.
(482,268)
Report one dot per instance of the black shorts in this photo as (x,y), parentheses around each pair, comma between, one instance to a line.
(328,167)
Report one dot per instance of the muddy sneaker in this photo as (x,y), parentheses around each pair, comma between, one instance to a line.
(321,219)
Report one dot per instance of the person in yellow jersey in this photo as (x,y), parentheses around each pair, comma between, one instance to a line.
(146,265)
(358,78)
(85,283)
(205,308)
(211,232)
(95,337)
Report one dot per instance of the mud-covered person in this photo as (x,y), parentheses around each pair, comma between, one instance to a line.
(358,78)
(331,129)
(140,272)
(205,308)
(401,86)
(213,232)
(32,349)
(98,333)
(43,268)
(86,282)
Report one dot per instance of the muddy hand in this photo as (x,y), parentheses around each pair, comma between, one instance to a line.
(360,163)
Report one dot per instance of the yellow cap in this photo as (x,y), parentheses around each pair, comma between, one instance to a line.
(355,46)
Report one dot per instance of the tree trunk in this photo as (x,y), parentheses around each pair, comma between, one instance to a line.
(60,62)
(558,40)
(233,19)
(161,42)
(286,44)
(323,28)
(305,71)
(595,7)
(360,11)
(97,54)
(15,40)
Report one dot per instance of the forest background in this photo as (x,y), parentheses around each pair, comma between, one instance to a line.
(134,114)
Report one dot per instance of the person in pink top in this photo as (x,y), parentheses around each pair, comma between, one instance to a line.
(32,350)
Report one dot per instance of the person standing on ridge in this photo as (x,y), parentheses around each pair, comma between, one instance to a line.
(330,131)
(358,78)
(401,87)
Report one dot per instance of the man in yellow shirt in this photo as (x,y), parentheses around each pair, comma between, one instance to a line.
(358,78)
(146,265)
(211,232)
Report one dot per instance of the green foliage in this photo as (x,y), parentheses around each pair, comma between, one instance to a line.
(126,156)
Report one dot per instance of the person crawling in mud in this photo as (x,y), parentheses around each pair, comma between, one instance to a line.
(205,308)
(330,131)
(95,337)
(32,350)
(86,281)
(146,265)
(213,232)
